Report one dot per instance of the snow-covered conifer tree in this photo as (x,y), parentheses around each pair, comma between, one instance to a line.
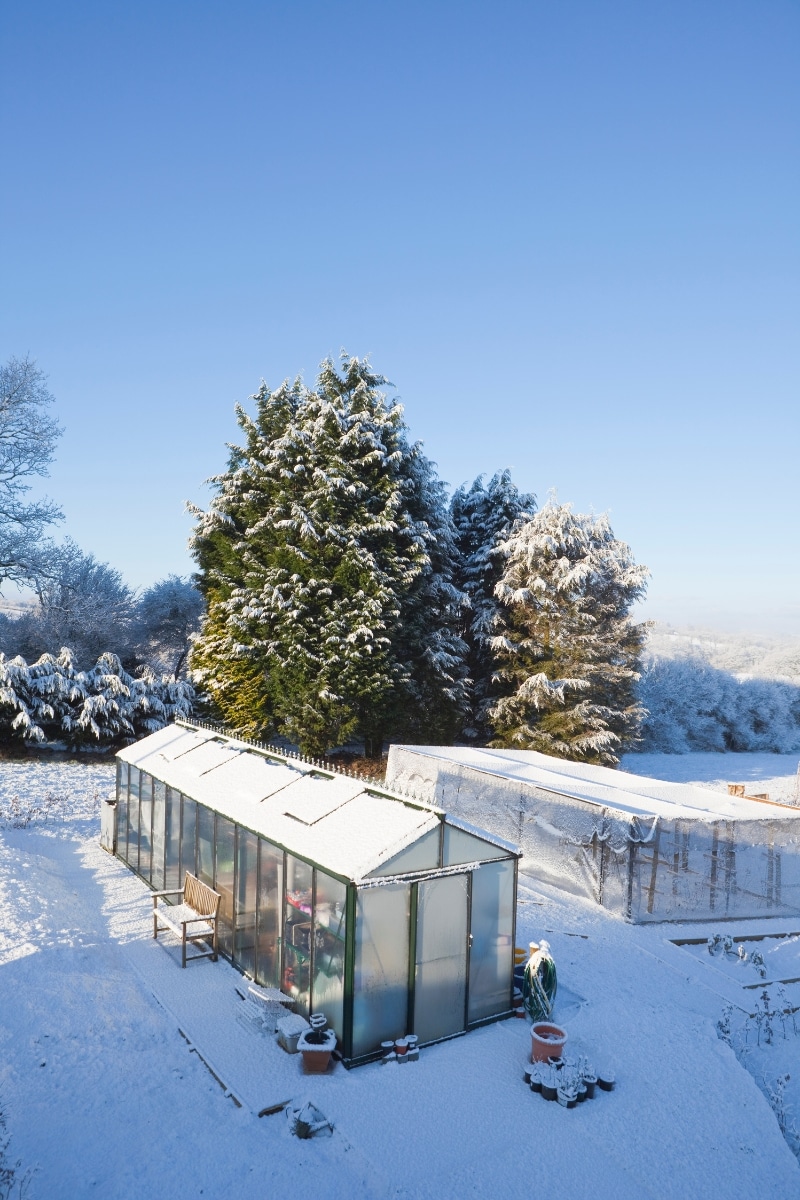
(484,516)
(567,650)
(326,563)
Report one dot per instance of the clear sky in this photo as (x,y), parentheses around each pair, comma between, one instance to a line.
(569,233)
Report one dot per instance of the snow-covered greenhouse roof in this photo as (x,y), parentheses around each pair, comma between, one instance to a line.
(604,786)
(350,827)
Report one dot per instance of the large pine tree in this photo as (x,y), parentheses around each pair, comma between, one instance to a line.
(326,563)
(484,516)
(566,647)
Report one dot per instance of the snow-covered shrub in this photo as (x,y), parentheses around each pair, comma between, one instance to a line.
(692,705)
(52,701)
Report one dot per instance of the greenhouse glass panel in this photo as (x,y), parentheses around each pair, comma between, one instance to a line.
(145,824)
(133,818)
(462,847)
(188,839)
(159,831)
(122,810)
(205,845)
(223,881)
(244,946)
(380,1002)
(327,992)
(491,952)
(297,941)
(421,855)
(172,848)
(440,989)
(269,915)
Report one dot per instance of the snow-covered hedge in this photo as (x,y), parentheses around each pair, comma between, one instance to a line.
(50,700)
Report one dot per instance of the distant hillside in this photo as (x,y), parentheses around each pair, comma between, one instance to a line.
(741,654)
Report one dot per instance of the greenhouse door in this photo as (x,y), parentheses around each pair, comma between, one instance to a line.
(440,978)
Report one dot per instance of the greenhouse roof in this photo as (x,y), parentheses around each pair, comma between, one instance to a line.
(633,794)
(342,824)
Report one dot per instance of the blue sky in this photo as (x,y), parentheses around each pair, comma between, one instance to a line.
(567,232)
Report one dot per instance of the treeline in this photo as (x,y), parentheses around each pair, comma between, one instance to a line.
(341,596)
(348,599)
(92,662)
(692,705)
(85,605)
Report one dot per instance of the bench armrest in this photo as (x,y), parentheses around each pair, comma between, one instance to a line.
(172,892)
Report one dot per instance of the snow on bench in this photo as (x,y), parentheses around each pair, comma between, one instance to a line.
(194,920)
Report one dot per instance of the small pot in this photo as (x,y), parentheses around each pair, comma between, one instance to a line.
(549,1089)
(401,1046)
(606,1081)
(582,1093)
(590,1083)
(547,1041)
(566,1099)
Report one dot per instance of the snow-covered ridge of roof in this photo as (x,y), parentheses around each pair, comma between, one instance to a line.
(633,794)
(343,824)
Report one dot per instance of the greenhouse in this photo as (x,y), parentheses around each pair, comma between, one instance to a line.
(643,848)
(376,909)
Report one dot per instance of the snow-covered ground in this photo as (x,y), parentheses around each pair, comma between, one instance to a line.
(776,774)
(102,1096)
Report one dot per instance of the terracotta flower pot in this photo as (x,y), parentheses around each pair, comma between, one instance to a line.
(316,1055)
(547,1041)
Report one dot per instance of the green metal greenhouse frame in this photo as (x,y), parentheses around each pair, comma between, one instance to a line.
(373,907)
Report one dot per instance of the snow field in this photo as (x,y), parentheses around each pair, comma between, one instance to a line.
(99,1089)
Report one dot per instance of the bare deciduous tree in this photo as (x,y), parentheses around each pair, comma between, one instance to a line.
(28,435)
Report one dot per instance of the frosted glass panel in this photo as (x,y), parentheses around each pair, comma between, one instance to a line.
(205,845)
(145,824)
(297,933)
(244,949)
(327,990)
(133,819)
(173,839)
(270,913)
(422,855)
(159,823)
(122,813)
(223,882)
(440,990)
(461,847)
(380,1007)
(188,839)
(490,963)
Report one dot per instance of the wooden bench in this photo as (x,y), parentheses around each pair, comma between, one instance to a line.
(194,920)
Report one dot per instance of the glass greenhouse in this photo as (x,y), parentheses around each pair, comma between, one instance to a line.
(378,910)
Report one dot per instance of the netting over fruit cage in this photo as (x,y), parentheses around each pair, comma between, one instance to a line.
(643,848)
